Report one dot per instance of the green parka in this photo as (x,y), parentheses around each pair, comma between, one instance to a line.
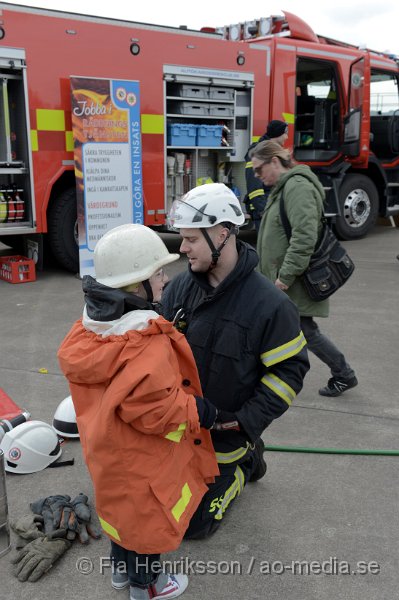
(279,258)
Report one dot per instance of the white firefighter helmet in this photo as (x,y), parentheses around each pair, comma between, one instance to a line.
(30,447)
(206,206)
(64,421)
(128,254)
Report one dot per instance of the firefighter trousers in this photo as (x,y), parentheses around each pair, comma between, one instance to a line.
(220,496)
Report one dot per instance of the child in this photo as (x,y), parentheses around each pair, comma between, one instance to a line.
(136,393)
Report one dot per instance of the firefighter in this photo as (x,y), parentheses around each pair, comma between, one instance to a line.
(257,194)
(139,408)
(245,337)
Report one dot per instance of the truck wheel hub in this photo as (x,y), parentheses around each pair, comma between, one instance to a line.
(357,208)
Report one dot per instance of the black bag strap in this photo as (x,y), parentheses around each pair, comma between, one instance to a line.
(284,218)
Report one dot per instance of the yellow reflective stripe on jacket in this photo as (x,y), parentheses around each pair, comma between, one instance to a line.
(248,165)
(255,193)
(109,529)
(182,503)
(225,458)
(276,355)
(234,490)
(176,436)
(279,387)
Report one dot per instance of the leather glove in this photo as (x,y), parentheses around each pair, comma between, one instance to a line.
(84,516)
(51,508)
(226,421)
(207,412)
(63,518)
(28,528)
(38,557)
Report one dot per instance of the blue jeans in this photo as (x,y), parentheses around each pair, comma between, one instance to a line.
(325,350)
(137,566)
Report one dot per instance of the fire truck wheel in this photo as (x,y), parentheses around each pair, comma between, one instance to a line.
(358,199)
(62,230)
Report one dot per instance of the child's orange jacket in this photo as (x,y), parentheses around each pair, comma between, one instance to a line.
(138,422)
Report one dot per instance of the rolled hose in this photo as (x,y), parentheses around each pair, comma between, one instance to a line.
(306,450)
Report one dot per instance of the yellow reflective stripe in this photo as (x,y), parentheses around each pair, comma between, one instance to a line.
(279,387)
(248,165)
(255,138)
(225,458)
(176,436)
(152,124)
(182,503)
(50,120)
(69,141)
(289,118)
(109,529)
(34,142)
(6,117)
(283,352)
(234,490)
(256,193)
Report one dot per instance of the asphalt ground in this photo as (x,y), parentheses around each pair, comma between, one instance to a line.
(316,527)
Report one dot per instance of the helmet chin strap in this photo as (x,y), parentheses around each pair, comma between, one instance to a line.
(148,290)
(217,251)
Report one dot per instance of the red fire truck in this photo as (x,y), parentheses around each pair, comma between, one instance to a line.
(204,96)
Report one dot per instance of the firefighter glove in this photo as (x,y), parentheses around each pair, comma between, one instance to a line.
(54,510)
(85,516)
(226,421)
(37,557)
(28,528)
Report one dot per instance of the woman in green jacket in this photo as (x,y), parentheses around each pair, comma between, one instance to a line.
(284,260)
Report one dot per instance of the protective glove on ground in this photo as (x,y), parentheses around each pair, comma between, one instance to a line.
(37,557)
(51,508)
(66,518)
(28,527)
(84,514)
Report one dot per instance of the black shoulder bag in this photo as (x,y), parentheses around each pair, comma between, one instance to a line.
(329,267)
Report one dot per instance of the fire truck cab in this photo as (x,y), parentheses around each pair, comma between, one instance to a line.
(204,99)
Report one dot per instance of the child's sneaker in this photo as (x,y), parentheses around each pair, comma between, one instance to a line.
(175,586)
(119,581)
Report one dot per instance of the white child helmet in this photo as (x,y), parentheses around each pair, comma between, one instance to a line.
(128,254)
(30,447)
(64,421)
(206,206)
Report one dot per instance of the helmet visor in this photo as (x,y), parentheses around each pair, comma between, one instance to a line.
(183,214)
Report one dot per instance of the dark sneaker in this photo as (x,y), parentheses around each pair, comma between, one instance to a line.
(260,467)
(337,385)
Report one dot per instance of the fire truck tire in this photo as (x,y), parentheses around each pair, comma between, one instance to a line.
(359,204)
(62,230)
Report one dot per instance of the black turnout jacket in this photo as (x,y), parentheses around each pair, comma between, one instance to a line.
(247,343)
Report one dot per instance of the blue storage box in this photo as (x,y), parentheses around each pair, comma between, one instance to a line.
(209,135)
(181,134)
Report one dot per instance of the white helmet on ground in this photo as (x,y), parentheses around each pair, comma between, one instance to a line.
(30,447)
(206,206)
(128,254)
(64,421)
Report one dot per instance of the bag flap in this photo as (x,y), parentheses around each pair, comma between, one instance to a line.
(317,276)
